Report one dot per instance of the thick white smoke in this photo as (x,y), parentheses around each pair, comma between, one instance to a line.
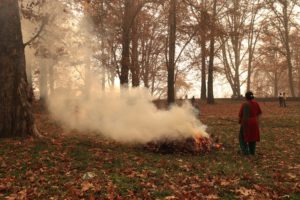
(129,116)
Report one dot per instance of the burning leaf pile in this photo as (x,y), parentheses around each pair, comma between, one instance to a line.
(193,145)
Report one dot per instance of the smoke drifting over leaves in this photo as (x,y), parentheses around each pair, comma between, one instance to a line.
(68,45)
(129,116)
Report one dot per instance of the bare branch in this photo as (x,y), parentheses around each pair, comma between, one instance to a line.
(44,22)
(184,46)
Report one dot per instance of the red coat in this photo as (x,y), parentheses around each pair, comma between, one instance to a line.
(248,116)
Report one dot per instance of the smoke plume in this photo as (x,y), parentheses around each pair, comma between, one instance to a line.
(69,45)
(129,116)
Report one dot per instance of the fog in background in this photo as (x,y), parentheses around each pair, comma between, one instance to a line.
(78,101)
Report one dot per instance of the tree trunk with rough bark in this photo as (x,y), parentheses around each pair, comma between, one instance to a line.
(51,78)
(210,83)
(171,63)
(203,69)
(203,54)
(236,42)
(287,46)
(275,83)
(299,83)
(30,84)
(102,57)
(125,60)
(135,70)
(43,81)
(253,35)
(16,117)
(249,70)
(227,70)
(87,80)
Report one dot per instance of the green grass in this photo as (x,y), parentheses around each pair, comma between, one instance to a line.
(54,167)
(295,196)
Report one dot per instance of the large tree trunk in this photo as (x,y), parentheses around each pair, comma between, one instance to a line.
(125,60)
(30,84)
(87,80)
(237,85)
(210,83)
(237,82)
(51,78)
(252,40)
(43,81)
(237,47)
(227,70)
(275,84)
(146,76)
(135,70)
(111,70)
(203,53)
(103,59)
(287,46)
(103,78)
(16,117)
(171,63)
(299,82)
(203,68)
(249,70)
(29,75)
(298,64)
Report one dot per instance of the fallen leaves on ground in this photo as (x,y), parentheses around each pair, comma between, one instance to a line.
(74,165)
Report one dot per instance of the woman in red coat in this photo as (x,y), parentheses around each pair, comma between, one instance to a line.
(248,118)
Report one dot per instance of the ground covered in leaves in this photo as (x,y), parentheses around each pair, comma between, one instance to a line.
(71,165)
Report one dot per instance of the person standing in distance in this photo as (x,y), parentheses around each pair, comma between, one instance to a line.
(284,99)
(249,129)
(280,98)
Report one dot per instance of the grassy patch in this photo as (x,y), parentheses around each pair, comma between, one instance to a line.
(55,167)
(162,194)
(295,196)
(125,184)
(81,157)
(227,195)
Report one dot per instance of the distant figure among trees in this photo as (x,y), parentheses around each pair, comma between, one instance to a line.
(193,101)
(284,100)
(195,105)
(249,129)
(186,97)
(280,98)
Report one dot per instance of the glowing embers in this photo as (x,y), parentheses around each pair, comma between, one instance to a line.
(193,145)
(201,144)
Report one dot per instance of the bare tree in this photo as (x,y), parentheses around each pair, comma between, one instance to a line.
(131,9)
(283,10)
(233,51)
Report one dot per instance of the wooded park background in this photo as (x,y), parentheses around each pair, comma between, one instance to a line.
(78,73)
(173,48)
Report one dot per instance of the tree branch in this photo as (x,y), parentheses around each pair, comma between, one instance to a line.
(37,34)
(186,43)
